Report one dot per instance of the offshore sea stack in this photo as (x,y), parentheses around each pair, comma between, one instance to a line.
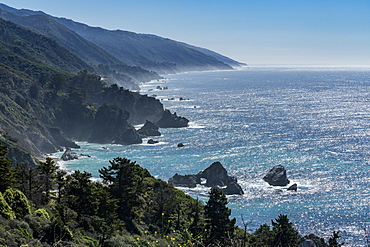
(171,120)
(149,129)
(216,177)
(277,176)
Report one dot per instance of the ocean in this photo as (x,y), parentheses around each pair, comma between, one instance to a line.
(315,121)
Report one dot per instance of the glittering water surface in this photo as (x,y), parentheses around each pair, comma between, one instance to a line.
(313,121)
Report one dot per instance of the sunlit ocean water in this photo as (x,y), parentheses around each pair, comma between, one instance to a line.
(313,121)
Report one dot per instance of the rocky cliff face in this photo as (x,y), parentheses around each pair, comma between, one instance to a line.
(43,106)
(111,126)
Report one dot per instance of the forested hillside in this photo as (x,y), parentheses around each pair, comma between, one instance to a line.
(43,206)
(44,103)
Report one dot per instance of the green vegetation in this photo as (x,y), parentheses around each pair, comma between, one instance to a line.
(42,104)
(129,207)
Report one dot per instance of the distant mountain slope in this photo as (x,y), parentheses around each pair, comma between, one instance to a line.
(113,68)
(21,47)
(46,26)
(216,55)
(147,51)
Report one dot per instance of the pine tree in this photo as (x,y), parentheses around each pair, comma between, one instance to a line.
(220,227)
(125,182)
(333,240)
(7,172)
(47,171)
(284,233)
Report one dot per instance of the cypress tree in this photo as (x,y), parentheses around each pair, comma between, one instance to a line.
(7,172)
(285,234)
(220,227)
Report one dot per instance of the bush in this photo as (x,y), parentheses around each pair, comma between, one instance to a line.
(18,202)
(5,210)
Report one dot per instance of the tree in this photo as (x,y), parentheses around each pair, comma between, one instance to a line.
(284,233)
(263,236)
(79,189)
(220,227)
(27,182)
(47,171)
(7,172)
(333,240)
(125,182)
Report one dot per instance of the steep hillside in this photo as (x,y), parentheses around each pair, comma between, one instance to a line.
(18,43)
(103,62)
(216,55)
(147,51)
(42,104)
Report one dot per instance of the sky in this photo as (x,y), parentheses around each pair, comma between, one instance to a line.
(256,32)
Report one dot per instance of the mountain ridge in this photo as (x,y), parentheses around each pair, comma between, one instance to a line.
(151,52)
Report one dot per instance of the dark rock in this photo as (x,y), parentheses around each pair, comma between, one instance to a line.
(189,181)
(277,176)
(307,243)
(233,188)
(293,187)
(69,155)
(216,177)
(85,155)
(60,139)
(151,141)
(149,129)
(170,120)
(180,145)
(111,126)
(312,241)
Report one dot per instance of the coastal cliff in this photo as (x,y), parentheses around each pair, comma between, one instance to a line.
(45,103)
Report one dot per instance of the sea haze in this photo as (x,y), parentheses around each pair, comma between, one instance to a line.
(313,121)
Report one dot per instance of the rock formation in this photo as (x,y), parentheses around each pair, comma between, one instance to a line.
(111,126)
(151,141)
(189,181)
(69,155)
(277,176)
(293,187)
(149,129)
(216,177)
(171,120)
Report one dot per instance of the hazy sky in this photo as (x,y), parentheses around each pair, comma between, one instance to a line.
(255,32)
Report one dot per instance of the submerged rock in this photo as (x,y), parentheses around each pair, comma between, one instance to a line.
(216,177)
(151,141)
(277,176)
